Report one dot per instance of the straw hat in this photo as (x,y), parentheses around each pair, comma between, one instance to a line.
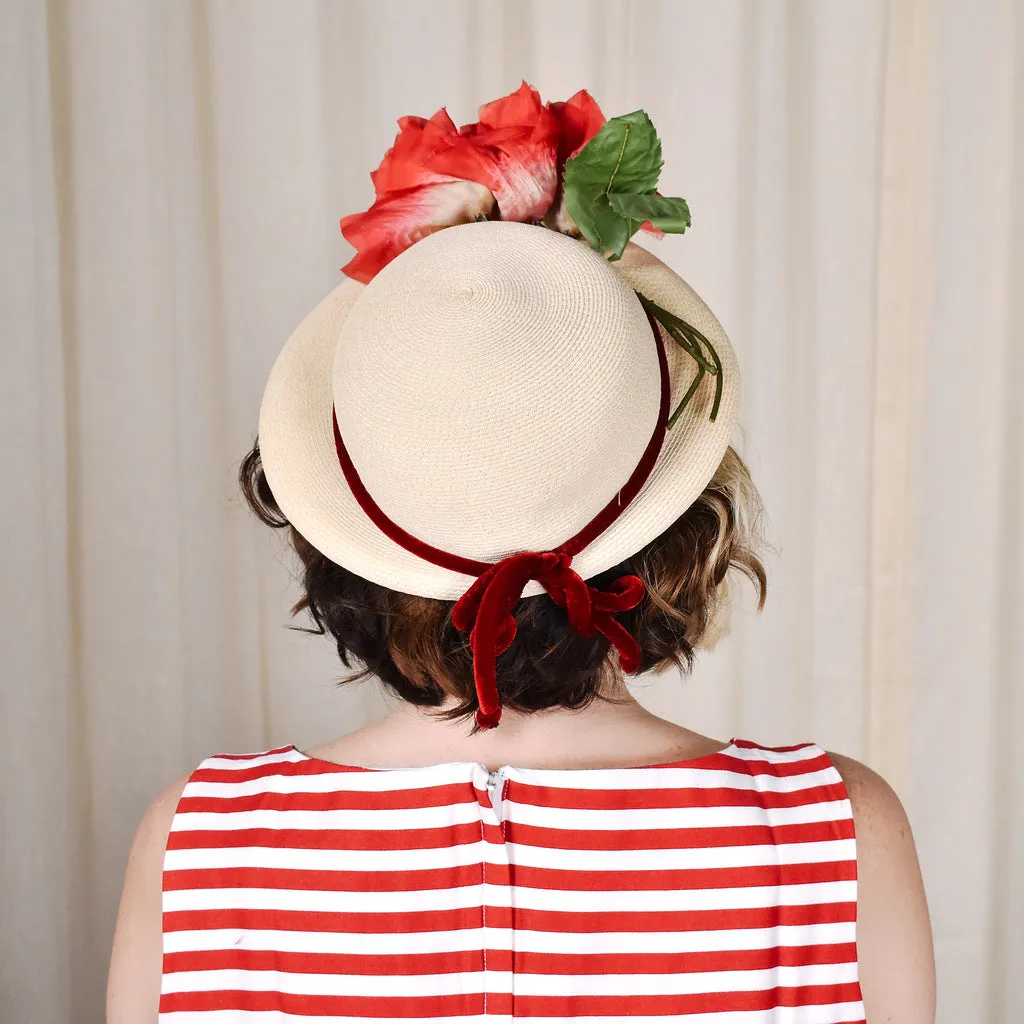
(495,386)
(484,416)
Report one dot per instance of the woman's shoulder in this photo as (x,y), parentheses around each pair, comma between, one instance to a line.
(136,960)
(133,981)
(880,817)
(894,937)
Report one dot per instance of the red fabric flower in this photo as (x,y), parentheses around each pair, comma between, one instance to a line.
(412,199)
(405,163)
(435,175)
(512,150)
(395,222)
(579,120)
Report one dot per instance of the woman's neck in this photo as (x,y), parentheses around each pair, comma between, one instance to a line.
(609,732)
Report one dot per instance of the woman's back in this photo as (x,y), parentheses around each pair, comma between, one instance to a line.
(724,884)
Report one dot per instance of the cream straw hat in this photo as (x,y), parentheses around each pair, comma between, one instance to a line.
(498,388)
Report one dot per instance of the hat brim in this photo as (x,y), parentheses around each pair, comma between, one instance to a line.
(301,464)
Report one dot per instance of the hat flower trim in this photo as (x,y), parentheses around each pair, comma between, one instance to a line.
(562,166)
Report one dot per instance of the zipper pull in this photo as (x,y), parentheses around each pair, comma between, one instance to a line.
(493,781)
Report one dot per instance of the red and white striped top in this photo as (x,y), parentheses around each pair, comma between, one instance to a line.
(722,888)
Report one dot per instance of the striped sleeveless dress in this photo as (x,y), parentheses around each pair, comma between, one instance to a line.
(721,889)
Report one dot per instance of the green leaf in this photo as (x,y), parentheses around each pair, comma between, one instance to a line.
(611,232)
(671,215)
(623,157)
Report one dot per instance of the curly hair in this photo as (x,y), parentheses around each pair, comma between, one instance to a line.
(411,645)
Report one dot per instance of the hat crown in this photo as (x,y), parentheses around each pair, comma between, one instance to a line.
(495,385)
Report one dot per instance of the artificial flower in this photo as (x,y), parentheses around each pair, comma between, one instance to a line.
(512,149)
(579,120)
(402,218)
(509,162)
(413,200)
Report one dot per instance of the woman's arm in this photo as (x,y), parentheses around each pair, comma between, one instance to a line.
(136,960)
(894,937)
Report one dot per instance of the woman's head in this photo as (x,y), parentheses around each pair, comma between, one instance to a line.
(411,645)
(501,370)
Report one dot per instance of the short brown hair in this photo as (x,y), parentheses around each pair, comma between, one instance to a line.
(411,645)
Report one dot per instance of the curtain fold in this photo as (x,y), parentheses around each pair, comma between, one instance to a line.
(171,189)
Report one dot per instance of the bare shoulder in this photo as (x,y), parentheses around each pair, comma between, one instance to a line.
(136,959)
(894,937)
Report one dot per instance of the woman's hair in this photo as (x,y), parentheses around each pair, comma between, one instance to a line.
(410,643)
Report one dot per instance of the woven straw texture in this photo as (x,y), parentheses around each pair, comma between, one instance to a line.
(495,386)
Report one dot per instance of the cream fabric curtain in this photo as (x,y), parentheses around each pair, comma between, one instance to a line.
(173,175)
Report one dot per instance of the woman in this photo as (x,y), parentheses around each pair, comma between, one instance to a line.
(501,449)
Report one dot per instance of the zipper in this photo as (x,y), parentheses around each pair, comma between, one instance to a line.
(494,790)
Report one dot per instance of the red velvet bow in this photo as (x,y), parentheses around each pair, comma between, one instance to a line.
(486,609)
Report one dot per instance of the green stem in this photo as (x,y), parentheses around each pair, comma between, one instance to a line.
(717,370)
(686,398)
(690,339)
(719,380)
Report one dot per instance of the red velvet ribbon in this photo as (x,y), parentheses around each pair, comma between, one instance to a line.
(485,609)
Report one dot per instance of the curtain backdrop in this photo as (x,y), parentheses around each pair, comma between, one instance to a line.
(173,175)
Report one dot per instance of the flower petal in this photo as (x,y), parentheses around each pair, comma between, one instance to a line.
(579,120)
(520,107)
(401,218)
(511,149)
(519,172)
(524,182)
(405,163)
(515,161)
